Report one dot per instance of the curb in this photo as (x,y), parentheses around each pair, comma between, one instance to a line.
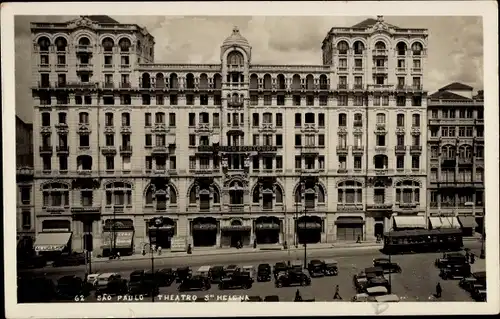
(148,257)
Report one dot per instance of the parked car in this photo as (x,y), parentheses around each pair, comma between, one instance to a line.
(387,298)
(455,271)
(471,283)
(316,268)
(165,277)
(379,281)
(279,267)
(92,280)
(292,277)
(271,298)
(377,291)
(374,272)
(143,282)
(35,289)
(194,283)
(263,272)
(216,273)
(236,280)
(203,271)
(454,258)
(231,269)
(31,261)
(331,268)
(296,264)
(479,295)
(74,259)
(182,274)
(253,299)
(359,280)
(70,286)
(386,265)
(248,269)
(111,284)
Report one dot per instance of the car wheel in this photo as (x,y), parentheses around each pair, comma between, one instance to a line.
(303,283)
(279,284)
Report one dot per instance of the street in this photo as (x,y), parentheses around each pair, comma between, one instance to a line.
(416,282)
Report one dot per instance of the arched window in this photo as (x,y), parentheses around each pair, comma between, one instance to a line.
(296,82)
(309,82)
(217,81)
(400,120)
(161,198)
(416,120)
(254,82)
(269,194)
(61,44)
(190,81)
(125,119)
(124,44)
(342,47)
(380,45)
(203,81)
(323,82)
(417,48)
(55,195)
(380,161)
(235,58)
(43,44)
(268,82)
(465,152)
(380,118)
(146,81)
(84,41)
(342,119)
(448,152)
(83,118)
(358,47)
(401,48)
(311,194)
(236,193)
(350,192)
(159,80)
(174,81)
(407,192)
(108,44)
(84,163)
(118,193)
(281,82)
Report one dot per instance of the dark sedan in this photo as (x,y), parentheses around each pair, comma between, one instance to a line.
(386,265)
(216,273)
(316,268)
(194,283)
(264,272)
(68,287)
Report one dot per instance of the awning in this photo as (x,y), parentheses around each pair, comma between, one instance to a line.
(467,221)
(309,225)
(444,222)
(410,222)
(349,220)
(122,239)
(204,227)
(261,226)
(52,241)
(236,228)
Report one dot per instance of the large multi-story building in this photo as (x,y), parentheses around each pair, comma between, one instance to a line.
(227,152)
(25,183)
(456,156)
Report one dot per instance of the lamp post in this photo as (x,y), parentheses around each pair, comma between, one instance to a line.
(390,262)
(305,241)
(113,245)
(157,223)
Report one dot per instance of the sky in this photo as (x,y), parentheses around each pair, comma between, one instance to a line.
(455,50)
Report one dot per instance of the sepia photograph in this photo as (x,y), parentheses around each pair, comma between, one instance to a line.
(226,153)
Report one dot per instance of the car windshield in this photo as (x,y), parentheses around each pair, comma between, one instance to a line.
(263,266)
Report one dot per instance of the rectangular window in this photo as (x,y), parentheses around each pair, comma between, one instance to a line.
(173,163)
(127,165)
(268,99)
(279,140)
(192,162)
(415,162)
(110,163)
(279,162)
(256,139)
(173,99)
(160,99)
(149,163)
(192,119)
(342,100)
(298,140)
(321,139)
(357,162)
(216,120)
(298,162)
(279,120)
(400,162)
(171,120)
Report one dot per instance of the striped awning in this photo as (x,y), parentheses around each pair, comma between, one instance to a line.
(410,222)
(444,222)
(52,241)
(467,221)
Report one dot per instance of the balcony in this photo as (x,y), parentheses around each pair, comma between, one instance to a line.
(465,161)
(203,128)
(81,210)
(84,172)
(342,69)
(159,128)
(81,85)
(380,127)
(62,149)
(125,149)
(358,69)
(378,206)
(126,129)
(407,205)
(46,150)
(25,171)
(358,86)
(401,70)
(44,67)
(61,67)
(204,171)
(357,149)
(415,149)
(84,67)
(416,70)
(380,52)
(379,69)
(125,85)
(342,171)
(309,128)
(400,149)
(349,207)
(108,66)
(108,85)
(236,207)
(310,171)
(267,128)
(342,149)
(381,171)
(311,149)
(342,86)
(380,87)
(83,49)
(160,150)
(235,103)
(124,66)
(108,150)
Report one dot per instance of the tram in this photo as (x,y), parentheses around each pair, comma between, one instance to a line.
(422,241)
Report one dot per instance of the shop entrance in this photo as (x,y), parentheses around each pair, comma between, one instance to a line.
(349,228)
(309,229)
(236,232)
(204,232)
(267,230)
(161,235)
(379,230)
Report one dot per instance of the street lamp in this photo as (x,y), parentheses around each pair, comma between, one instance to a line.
(157,223)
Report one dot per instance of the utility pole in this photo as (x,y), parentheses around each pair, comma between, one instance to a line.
(390,262)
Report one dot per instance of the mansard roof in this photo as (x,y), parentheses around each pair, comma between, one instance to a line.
(456,86)
(445,95)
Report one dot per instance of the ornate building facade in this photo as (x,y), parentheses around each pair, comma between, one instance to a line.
(226,152)
(456,156)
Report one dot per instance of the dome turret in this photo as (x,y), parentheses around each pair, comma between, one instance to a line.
(236,40)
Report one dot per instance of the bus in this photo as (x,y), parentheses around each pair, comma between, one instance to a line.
(422,241)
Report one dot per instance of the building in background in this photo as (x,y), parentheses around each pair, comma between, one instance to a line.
(25,186)
(456,158)
(229,152)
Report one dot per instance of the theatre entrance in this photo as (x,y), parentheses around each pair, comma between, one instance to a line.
(309,229)
(204,231)
(267,230)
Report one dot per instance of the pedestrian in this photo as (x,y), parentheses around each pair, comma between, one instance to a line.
(298,297)
(337,293)
(118,255)
(159,250)
(359,239)
(439,290)
(467,255)
(472,258)
(254,244)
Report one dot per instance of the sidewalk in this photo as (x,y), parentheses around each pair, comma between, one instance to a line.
(229,251)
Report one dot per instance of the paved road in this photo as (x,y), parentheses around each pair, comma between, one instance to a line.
(416,282)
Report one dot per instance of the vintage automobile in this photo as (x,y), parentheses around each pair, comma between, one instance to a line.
(70,286)
(479,294)
(296,264)
(111,284)
(271,298)
(31,261)
(386,265)
(144,286)
(359,280)
(279,267)
(331,268)
(92,280)
(35,289)
(455,271)
(476,280)
(316,268)
(183,273)
(249,269)
(374,271)
(231,269)
(454,258)
(203,271)
(378,281)
(216,273)
(292,277)
(362,297)
(377,291)
(264,272)
(194,283)
(480,276)
(236,280)
(74,259)
(164,277)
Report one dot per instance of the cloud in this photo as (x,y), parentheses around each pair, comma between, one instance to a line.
(455,44)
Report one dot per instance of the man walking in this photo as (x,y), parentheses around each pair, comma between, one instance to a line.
(337,293)
(439,290)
